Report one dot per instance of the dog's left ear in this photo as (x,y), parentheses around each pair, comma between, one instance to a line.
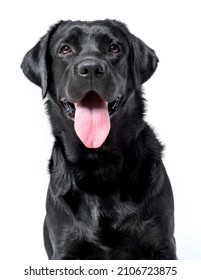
(145,59)
(34,64)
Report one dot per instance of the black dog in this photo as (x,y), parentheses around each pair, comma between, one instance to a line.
(109,196)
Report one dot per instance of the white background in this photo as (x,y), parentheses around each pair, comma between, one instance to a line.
(172,29)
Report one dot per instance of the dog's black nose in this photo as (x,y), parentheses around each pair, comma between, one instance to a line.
(91,68)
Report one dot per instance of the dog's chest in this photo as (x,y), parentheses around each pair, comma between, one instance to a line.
(100,202)
(101,219)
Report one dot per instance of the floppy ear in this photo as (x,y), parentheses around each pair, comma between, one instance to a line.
(34,64)
(145,59)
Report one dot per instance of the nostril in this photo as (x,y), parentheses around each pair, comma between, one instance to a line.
(99,71)
(83,71)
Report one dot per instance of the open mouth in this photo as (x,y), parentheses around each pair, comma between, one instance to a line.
(91,118)
(69,108)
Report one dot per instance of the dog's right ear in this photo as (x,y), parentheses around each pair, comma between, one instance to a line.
(34,64)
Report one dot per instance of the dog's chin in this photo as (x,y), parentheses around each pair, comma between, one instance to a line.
(69,108)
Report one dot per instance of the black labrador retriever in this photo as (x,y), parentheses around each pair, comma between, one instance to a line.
(109,195)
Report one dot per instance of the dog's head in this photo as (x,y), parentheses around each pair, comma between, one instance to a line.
(89,69)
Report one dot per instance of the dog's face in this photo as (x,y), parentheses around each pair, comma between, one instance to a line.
(89,58)
(89,69)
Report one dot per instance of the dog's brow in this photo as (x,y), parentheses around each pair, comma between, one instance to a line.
(103,37)
(74,33)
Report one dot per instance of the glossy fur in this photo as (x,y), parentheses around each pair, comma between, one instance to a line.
(113,202)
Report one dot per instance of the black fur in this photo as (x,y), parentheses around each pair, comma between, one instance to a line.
(113,202)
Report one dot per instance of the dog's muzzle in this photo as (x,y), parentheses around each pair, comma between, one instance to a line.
(90,105)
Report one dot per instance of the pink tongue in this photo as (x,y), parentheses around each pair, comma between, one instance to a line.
(92,121)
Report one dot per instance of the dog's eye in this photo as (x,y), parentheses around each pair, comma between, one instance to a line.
(114,48)
(65,50)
